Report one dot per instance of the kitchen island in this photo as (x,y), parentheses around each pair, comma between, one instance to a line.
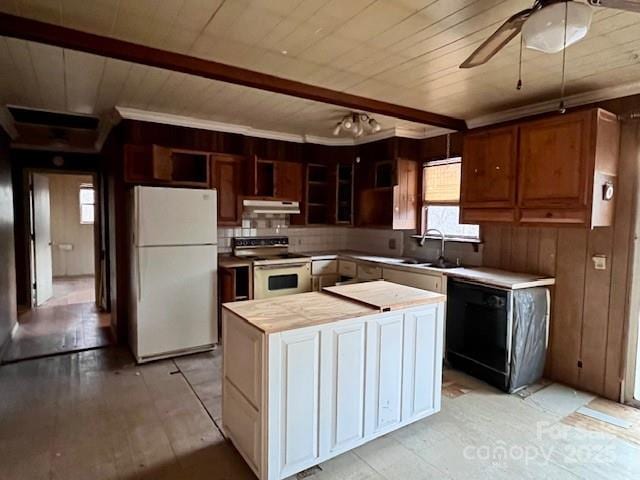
(313,375)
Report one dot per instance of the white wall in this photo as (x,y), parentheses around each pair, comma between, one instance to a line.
(66,228)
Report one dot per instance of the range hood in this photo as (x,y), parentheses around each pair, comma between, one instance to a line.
(270,206)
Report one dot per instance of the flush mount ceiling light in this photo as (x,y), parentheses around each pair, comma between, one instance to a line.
(544,30)
(357,124)
(543,26)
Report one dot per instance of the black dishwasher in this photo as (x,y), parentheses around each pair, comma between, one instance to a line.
(485,339)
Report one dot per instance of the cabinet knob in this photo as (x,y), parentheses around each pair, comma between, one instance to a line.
(475,170)
(498,168)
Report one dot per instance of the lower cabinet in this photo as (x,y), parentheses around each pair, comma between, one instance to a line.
(433,282)
(327,389)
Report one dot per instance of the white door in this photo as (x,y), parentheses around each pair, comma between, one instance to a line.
(176,296)
(175,216)
(422,362)
(343,386)
(294,379)
(384,372)
(42,238)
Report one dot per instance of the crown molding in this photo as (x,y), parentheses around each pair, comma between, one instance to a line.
(551,105)
(213,125)
(204,124)
(106,124)
(7,123)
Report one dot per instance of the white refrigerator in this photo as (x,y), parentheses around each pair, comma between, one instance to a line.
(175,263)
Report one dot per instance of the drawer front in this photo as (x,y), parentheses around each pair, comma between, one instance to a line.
(433,283)
(321,267)
(347,268)
(554,216)
(369,272)
(481,215)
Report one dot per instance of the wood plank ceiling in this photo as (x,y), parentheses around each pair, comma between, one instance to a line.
(400,51)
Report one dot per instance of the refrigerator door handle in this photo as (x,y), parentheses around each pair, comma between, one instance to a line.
(138,275)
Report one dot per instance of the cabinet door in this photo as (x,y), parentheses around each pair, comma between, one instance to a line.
(384,373)
(488,168)
(554,157)
(227,179)
(343,386)
(422,376)
(424,281)
(288,183)
(294,376)
(405,194)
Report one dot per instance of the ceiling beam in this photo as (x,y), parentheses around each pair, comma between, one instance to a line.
(41,32)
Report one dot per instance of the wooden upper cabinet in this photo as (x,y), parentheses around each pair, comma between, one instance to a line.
(228,172)
(566,171)
(288,180)
(554,158)
(172,167)
(488,169)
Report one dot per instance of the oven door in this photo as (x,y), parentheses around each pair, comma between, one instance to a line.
(276,280)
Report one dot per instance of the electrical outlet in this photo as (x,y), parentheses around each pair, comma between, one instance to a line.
(599,262)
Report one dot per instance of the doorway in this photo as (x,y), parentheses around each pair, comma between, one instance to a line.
(63,235)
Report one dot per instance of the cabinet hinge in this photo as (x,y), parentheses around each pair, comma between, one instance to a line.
(579,363)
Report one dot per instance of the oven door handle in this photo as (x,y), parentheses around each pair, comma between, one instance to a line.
(281,266)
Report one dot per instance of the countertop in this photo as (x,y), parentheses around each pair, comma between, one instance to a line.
(487,276)
(229,261)
(289,312)
(385,296)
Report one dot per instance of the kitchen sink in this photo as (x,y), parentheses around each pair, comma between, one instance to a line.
(441,265)
(412,261)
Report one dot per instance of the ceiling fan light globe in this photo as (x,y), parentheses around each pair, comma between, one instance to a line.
(544,29)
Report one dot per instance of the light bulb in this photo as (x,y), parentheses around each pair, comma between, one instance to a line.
(375,126)
(338,127)
(347,123)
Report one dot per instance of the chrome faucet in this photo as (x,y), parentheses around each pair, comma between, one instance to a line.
(424,239)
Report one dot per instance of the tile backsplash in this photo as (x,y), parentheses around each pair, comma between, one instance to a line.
(370,240)
(313,239)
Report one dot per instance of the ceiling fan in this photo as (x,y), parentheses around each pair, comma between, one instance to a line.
(543,27)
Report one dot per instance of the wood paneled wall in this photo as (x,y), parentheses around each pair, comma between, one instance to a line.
(589,307)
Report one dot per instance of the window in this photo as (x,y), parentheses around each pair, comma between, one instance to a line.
(441,190)
(87,204)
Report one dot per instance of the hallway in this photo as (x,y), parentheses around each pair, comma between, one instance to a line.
(67,322)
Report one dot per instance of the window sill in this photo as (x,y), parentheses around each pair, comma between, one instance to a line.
(476,241)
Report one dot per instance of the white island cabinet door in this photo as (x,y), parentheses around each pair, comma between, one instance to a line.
(384,373)
(422,376)
(342,389)
(294,378)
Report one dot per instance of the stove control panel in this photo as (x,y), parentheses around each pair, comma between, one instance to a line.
(259,242)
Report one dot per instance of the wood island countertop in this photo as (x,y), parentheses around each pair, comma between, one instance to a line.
(385,296)
(289,312)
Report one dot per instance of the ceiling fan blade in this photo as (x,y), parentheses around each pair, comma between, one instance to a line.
(628,5)
(498,40)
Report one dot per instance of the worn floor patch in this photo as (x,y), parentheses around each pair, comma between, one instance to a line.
(628,415)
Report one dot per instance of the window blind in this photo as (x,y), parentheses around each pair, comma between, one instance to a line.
(442,183)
